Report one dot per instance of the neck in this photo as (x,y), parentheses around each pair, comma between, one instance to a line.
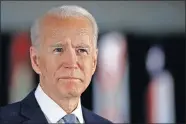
(67,104)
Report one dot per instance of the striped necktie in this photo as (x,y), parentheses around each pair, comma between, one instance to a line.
(69,119)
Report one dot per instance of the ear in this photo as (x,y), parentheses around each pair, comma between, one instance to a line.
(95,57)
(34,56)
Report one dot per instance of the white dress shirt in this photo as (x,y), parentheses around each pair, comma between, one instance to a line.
(52,111)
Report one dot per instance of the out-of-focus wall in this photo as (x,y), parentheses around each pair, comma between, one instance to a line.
(138,16)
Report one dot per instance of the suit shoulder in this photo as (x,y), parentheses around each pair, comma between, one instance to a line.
(10,111)
(14,107)
(98,118)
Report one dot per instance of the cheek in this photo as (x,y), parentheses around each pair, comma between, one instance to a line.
(48,66)
(87,68)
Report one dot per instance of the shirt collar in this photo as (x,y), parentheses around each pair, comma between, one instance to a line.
(52,110)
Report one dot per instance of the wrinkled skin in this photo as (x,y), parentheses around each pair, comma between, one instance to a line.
(66,58)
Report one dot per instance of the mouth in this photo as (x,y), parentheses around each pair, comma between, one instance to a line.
(71,78)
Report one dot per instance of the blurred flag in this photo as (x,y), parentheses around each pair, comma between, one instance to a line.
(111,88)
(21,76)
(160,91)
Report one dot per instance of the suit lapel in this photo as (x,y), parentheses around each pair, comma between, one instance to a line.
(31,110)
(87,115)
(33,114)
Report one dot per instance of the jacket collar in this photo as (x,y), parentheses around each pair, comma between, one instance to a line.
(33,114)
(31,110)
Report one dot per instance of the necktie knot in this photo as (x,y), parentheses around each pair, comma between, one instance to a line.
(70,118)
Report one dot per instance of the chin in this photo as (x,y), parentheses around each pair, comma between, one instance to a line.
(70,89)
(70,92)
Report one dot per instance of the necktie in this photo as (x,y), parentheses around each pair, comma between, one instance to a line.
(69,119)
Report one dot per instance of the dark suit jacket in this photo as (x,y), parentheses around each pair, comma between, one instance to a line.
(28,111)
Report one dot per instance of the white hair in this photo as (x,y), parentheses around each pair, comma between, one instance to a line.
(65,11)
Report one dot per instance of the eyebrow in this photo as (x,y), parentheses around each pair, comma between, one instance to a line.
(83,45)
(77,46)
(57,45)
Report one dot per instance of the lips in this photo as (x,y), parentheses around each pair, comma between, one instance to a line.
(70,78)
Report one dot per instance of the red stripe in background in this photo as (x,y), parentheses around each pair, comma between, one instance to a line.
(19,51)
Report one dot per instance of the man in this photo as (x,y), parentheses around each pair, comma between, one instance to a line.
(64,54)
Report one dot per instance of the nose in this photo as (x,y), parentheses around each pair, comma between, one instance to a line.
(70,60)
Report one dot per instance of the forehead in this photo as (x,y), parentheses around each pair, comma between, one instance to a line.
(59,27)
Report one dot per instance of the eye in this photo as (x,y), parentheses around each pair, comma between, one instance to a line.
(58,50)
(83,51)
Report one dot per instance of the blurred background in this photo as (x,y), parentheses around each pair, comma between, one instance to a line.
(140,77)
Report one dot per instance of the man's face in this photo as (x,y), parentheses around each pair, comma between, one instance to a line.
(67,58)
